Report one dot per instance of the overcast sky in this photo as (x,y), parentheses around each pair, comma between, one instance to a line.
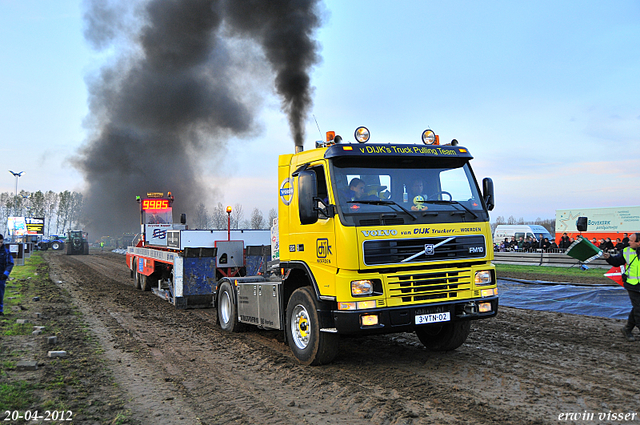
(546,96)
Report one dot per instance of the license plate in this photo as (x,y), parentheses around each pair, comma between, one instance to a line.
(423,319)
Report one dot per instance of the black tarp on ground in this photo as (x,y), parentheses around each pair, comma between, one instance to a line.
(587,300)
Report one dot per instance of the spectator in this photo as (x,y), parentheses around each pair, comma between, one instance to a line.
(625,240)
(608,244)
(526,246)
(554,246)
(545,244)
(594,241)
(564,241)
(602,245)
(521,243)
(535,243)
(619,245)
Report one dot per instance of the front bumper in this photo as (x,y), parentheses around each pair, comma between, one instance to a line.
(402,319)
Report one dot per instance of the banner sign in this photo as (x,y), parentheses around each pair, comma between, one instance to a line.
(601,220)
(35,225)
(17,226)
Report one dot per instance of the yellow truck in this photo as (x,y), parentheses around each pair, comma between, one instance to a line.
(373,239)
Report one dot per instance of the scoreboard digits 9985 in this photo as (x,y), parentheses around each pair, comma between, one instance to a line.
(156,204)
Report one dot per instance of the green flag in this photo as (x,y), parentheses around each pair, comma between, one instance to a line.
(584,250)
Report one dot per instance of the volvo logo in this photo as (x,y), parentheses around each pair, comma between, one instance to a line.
(286,191)
(429,249)
(384,232)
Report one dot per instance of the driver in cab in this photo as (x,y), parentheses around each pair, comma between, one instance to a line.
(356,190)
(417,196)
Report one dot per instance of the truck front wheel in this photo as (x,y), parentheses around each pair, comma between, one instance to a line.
(227,309)
(308,344)
(446,337)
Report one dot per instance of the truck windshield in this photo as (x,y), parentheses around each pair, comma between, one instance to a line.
(397,191)
(158,216)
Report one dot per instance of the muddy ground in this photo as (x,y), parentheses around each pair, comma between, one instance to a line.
(173,366)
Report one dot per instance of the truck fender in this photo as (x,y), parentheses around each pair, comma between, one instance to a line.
(301,270)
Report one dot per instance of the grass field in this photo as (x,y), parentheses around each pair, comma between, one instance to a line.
(558,271)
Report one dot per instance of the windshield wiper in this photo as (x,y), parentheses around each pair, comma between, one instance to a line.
(454,203)
(383,202)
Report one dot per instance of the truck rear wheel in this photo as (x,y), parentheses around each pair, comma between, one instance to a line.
(136,281)
(146,282)
(308,344)
(227,309)
(446,337)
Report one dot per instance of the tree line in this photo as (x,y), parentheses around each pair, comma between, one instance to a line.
(61,211)
(218,218)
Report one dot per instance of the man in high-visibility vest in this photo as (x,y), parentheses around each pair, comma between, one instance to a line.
(629,258)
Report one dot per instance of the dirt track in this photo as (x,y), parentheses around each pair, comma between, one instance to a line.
(178,367)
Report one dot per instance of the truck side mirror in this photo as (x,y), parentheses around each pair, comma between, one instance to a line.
(488,194)
(307,191)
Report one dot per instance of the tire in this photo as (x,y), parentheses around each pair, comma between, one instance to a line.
(56,246)
(145,282)
(136,281)
(447,337)
(227,309)
(308,344)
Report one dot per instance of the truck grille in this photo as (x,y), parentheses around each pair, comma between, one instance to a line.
(404,250)
(421,287)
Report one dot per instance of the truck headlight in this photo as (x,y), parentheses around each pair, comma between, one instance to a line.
(361,287)
(484,277)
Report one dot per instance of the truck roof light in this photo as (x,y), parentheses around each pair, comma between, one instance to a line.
(429,137)
(362,134)
(330,135)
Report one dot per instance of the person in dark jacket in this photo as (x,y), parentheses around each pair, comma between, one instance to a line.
(608,244)
(6,265)
(545,244)
(564,241)
(629,258)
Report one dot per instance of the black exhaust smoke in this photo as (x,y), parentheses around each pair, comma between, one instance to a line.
(184,82)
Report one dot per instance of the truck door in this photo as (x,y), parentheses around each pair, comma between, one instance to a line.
(314,244)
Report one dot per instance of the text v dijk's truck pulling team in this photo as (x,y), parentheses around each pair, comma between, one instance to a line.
(370,238)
